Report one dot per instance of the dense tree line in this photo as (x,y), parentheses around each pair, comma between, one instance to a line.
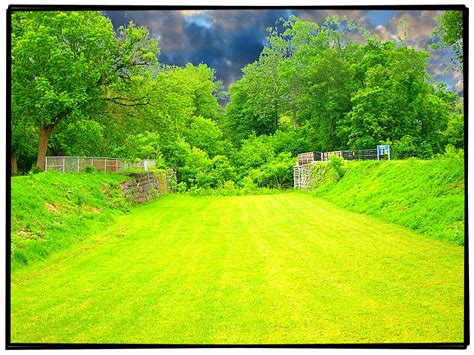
(81,88)
(339,94)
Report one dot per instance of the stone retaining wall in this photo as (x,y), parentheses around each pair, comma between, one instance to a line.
(144,186)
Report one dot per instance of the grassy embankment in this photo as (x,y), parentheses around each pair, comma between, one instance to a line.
(425,196)
(51,211)
(282,268)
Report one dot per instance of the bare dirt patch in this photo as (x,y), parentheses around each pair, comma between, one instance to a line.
(51,207)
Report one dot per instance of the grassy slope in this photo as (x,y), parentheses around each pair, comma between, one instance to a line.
(425,196)
(286,268)
(51,211)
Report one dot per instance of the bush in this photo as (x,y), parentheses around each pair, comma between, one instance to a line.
(275,173)
(89,168)
(248,184)
(425,150)
(34,170)
(451,152)
(337,163)
(172,181)
(181,187)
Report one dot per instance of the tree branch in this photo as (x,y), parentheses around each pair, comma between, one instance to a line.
(116,100)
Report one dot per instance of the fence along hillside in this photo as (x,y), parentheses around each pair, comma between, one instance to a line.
(303,173)
(70,164)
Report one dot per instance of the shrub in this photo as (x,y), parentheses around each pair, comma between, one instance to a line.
(34,170)
(337,163)
(275,173)
(89,168)
(425,150)
(451,152)
(248,184)
(181,187)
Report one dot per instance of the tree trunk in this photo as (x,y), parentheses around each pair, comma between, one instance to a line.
(276,115)
(45,132)
(293,107)
(14,165)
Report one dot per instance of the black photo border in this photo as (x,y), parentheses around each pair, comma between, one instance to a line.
(12,8)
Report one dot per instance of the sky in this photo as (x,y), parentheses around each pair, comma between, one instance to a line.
(227,40)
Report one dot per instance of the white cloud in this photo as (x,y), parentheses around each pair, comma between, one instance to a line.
(417,27)
(384,33)
(457,74)
(438,70)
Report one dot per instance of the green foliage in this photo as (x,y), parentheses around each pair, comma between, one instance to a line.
(267,160)
(181,187)
(196,167)
(255,151)
(312,89)
(34,170)
(313,79)
(451,152)
(89,169)
(337,163)
(450,30)
(222,171)
(80,138)
(405,144)
(455,128)
(322,174)
(277,172)
(144,145)
(425,150)
(57,58)
(230,189)
(65,67)
(206,135)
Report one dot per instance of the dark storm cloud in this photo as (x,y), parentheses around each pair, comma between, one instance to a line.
(224,40)
(227,40)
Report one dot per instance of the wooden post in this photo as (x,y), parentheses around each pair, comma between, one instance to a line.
(46,164)
(105,165)
(64,163)
(77,164)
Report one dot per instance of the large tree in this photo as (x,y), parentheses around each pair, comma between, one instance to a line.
(65,65)
(450,30)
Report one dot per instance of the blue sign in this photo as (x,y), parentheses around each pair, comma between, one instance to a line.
(383,150)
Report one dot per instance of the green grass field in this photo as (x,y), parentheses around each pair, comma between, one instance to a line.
(282,268)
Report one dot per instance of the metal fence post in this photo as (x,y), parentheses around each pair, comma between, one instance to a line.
(78,164)
(46,164)
(64,163)
(105,165)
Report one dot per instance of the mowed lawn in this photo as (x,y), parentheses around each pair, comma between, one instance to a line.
(283,268)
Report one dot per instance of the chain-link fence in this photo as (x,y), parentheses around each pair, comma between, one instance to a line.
(68,164)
